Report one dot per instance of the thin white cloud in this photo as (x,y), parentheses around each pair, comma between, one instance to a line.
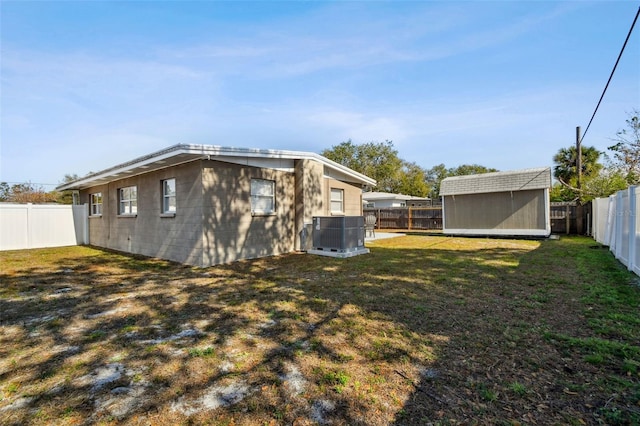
(328,40)
(298,82)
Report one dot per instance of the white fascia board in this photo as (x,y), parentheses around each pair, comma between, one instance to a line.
(124,169)
(348,175)
(216,151)
(193,152)
(346,171)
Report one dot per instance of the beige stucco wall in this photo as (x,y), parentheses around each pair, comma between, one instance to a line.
(213,223)
(98,225)
(518,210)
(309,188)
(231,232)
(352,197)
(177,238)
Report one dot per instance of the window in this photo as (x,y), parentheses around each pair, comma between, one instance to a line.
(262,196)
(128,200)
(337,200)
(169,196)
(96,204)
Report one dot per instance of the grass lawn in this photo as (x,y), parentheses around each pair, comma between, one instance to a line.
(423,330)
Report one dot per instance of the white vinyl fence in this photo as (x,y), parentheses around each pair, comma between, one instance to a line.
(26,226)
(616,223)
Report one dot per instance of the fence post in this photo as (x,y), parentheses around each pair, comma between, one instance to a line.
(618,224)
(633,209)
(610,239)
(409,221)
(29,227)
(86,228)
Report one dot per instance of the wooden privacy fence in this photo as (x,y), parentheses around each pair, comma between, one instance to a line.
(566,218)
(617,224)
(423,218)
(26,226)
(571,218)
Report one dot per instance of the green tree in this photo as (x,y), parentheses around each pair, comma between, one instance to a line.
(5,191)
(26,193)
(65,197)
(470,169)
(344,153)
(626,150)
(607,182)
(413,181)
(565,168)
(437,173)
(592,181)
(378,160)
(560,192)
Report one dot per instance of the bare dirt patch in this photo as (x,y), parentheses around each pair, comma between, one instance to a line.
(424,330)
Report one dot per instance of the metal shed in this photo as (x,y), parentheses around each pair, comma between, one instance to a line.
(513,203)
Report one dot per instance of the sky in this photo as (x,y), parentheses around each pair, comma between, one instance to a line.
(86,85)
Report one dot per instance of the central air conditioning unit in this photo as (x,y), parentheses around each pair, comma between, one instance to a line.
(338,236)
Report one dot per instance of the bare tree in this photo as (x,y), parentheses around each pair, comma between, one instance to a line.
(626,151)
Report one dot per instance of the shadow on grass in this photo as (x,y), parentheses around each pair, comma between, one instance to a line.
(444,330)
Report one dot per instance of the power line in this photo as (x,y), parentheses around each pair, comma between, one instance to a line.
(611,75)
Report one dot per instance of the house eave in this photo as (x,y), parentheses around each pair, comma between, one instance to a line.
(184,153)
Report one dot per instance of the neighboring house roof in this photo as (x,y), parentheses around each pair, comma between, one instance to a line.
(516,180)
(377,196)
(183,153)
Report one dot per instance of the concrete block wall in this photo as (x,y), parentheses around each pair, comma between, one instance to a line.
(352,197)
(213,223)
(231,231)
(177,238)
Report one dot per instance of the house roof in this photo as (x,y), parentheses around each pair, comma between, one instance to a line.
(516,180)
(184,153)
(377,196)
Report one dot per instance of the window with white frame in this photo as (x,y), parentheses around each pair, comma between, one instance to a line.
(263,196)
(96,204)
(337,200)
(169,196)
(128,200)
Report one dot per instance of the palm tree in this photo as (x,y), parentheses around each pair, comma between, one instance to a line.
(565,169)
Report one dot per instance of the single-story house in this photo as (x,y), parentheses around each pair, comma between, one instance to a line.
(205,205)
(513,203)
(388,199)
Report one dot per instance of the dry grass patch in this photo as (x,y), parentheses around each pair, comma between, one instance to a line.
(422,330)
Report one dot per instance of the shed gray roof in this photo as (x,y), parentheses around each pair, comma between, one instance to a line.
(516,180)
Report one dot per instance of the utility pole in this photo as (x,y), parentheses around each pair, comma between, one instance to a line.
(579,210)
(578,158)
